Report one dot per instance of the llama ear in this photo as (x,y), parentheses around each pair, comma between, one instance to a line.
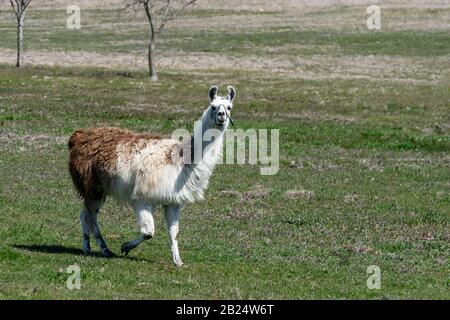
(231,93)
(213,92)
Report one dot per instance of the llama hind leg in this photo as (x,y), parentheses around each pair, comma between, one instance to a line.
(93,208)
(86,231)
(144,215)
(172,221)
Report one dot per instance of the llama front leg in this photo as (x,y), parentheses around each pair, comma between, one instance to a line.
(172,221)
(144,215)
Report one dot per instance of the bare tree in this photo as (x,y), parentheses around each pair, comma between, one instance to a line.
(19,7)
(158,13)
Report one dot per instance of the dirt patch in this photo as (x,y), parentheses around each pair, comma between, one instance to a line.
(315,67)
(300,194)
(259,192)
(255,5)
(230,193)
(241,214)
(300,14)
(372,164)
(350,198)
(36,141)
(247,209)
(359,249)
(152,108)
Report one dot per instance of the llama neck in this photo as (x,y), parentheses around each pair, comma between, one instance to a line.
(196,172)
(206,143)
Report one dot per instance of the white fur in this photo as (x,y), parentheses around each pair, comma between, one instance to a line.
(144,177)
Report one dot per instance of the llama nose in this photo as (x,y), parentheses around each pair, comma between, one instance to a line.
(221,113)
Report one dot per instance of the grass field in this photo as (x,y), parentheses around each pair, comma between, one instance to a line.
(364,179)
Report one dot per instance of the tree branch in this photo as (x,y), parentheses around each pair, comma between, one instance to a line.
(163,19)
(16,11)
(25,4)
(166,17)
(20,7)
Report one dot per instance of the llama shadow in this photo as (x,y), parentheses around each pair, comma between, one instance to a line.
(56,249)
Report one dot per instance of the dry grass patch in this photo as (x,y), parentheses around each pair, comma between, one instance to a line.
(36,141)
(300,194)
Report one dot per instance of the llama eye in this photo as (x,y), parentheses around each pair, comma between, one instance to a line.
(213,108)
(229,108)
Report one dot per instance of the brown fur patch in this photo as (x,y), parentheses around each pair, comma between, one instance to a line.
(93,157)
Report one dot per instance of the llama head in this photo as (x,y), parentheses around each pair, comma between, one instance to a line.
(218,113)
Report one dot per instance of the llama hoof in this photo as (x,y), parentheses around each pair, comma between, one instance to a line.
(125,248)
(108,254)
(87,252)
(178,264)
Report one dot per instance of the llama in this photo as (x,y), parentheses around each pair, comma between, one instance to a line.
(145,171)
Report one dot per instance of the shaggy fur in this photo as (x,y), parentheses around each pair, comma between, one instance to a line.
(93,157)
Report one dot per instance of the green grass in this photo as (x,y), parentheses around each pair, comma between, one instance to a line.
(374,154)
(361,41)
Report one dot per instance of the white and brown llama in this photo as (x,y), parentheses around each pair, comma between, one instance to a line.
(145,171)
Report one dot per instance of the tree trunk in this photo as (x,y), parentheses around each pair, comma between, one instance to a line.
(151,58)
(20,23)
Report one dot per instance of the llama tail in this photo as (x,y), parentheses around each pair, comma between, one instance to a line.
(81,166)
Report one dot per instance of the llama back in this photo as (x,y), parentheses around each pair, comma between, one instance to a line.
(93,158)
